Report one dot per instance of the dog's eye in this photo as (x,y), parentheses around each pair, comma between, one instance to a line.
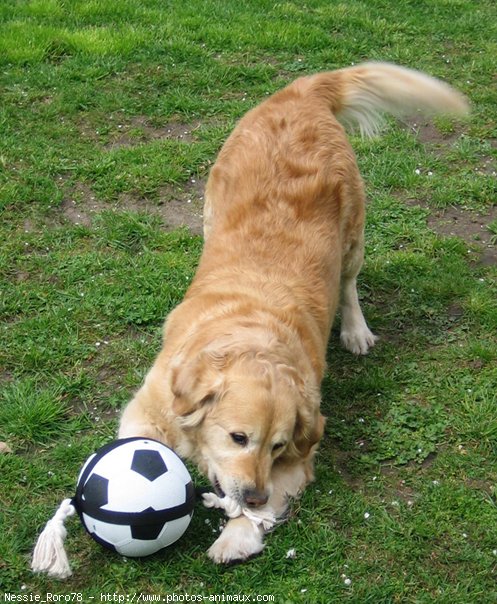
(278,446)
(239,438)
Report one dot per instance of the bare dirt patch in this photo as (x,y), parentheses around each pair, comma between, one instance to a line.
(177,206)
(471,227)
(427,133)
(80,204)
(184,207)
(122,131)
(140,130)
(455,221)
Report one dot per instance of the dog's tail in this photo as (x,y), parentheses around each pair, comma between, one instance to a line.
(361,94)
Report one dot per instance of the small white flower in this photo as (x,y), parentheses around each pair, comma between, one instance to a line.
(417,171)
(366,515)
(347,581)
(291,553)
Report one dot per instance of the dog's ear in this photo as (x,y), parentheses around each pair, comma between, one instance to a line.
(309,428)
(309,423)
(195,384)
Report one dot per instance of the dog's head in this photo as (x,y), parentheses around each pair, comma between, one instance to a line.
(245,412)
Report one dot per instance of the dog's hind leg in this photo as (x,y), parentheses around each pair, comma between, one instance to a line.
(355,335)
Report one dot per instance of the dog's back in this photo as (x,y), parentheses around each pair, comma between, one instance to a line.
(285,197)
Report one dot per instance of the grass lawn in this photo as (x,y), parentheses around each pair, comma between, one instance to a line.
(111,112)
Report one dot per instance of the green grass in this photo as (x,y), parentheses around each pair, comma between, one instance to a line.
(404,504)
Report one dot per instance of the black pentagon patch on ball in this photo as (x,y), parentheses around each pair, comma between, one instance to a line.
(96,491)
(148,464)
(147,532)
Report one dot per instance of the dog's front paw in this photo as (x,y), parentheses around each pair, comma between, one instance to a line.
(358,341)
(239,540)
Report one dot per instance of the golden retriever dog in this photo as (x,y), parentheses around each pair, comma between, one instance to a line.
(236,386)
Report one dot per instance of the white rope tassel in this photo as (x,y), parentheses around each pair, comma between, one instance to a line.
(49,554)
(234,510)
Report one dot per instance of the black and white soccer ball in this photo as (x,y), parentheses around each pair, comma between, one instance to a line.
(135,496)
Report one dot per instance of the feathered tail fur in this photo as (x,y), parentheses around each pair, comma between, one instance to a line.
(360,95)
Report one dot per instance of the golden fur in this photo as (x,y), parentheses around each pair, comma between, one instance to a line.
(236,386)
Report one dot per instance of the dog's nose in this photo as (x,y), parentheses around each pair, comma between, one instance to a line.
(255,498)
